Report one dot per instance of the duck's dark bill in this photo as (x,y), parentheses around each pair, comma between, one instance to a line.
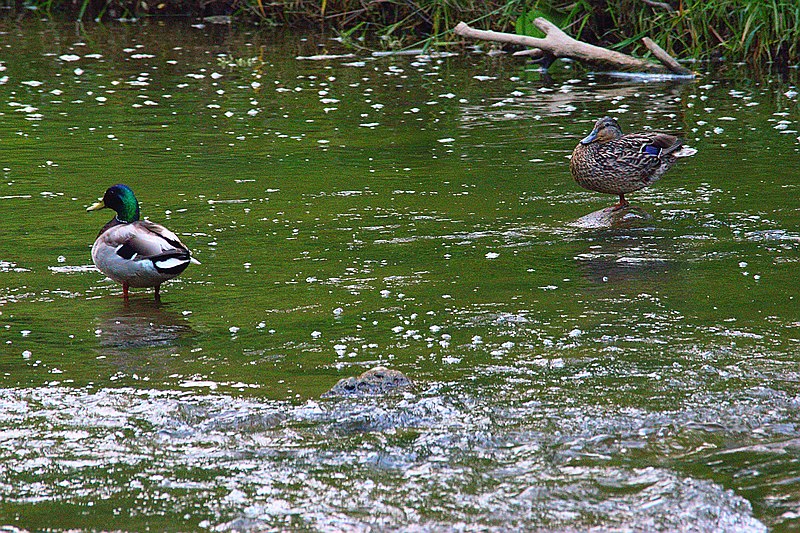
(589,138)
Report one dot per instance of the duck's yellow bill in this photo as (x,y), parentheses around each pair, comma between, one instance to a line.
(95,206)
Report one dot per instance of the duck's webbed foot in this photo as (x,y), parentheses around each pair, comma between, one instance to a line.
(623,203)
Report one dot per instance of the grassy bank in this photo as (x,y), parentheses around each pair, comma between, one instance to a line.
(751,30)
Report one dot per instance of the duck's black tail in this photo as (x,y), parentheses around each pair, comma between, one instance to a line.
(172,263)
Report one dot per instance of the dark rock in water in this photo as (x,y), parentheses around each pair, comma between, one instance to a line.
(379,380)
(608,218)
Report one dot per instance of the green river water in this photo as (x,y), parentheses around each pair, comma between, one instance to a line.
(415,212)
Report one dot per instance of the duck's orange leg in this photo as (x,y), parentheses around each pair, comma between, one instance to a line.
(125,291)
(623,203)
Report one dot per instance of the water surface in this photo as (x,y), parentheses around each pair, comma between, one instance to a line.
(415,212)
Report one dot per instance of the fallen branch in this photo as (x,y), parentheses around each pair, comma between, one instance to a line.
(557,44)
(664,57)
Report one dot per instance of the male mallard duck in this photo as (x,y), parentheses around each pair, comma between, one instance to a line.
(136,253)
(609,162)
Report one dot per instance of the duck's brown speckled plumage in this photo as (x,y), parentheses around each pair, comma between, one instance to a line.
(609,162)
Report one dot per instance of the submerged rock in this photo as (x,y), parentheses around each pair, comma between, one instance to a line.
(376,381)
(608,218)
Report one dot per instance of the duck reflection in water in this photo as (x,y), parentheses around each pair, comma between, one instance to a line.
(140,335)
(616,255)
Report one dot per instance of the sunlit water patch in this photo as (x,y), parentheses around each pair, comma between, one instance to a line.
(439,459)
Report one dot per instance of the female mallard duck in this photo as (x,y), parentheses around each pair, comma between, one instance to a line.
(136,253)
(609,162)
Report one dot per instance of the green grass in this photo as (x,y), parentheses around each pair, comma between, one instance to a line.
(758,31)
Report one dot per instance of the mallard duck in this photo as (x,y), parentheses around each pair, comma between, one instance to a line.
(609,162)
(136,253)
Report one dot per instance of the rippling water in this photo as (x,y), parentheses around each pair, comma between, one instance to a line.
(415,212)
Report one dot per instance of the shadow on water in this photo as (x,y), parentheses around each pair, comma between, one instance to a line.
(623,246)
(141,334)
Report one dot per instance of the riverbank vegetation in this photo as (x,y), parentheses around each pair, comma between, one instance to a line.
(742,30)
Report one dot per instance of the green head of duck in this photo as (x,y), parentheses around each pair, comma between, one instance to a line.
(122,201)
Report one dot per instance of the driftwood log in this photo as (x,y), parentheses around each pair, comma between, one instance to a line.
(556,44)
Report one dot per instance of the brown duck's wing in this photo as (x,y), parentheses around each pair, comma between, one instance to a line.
(629,155)
(659,144)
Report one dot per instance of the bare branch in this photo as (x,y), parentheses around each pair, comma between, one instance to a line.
(665,58)
(557,44)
